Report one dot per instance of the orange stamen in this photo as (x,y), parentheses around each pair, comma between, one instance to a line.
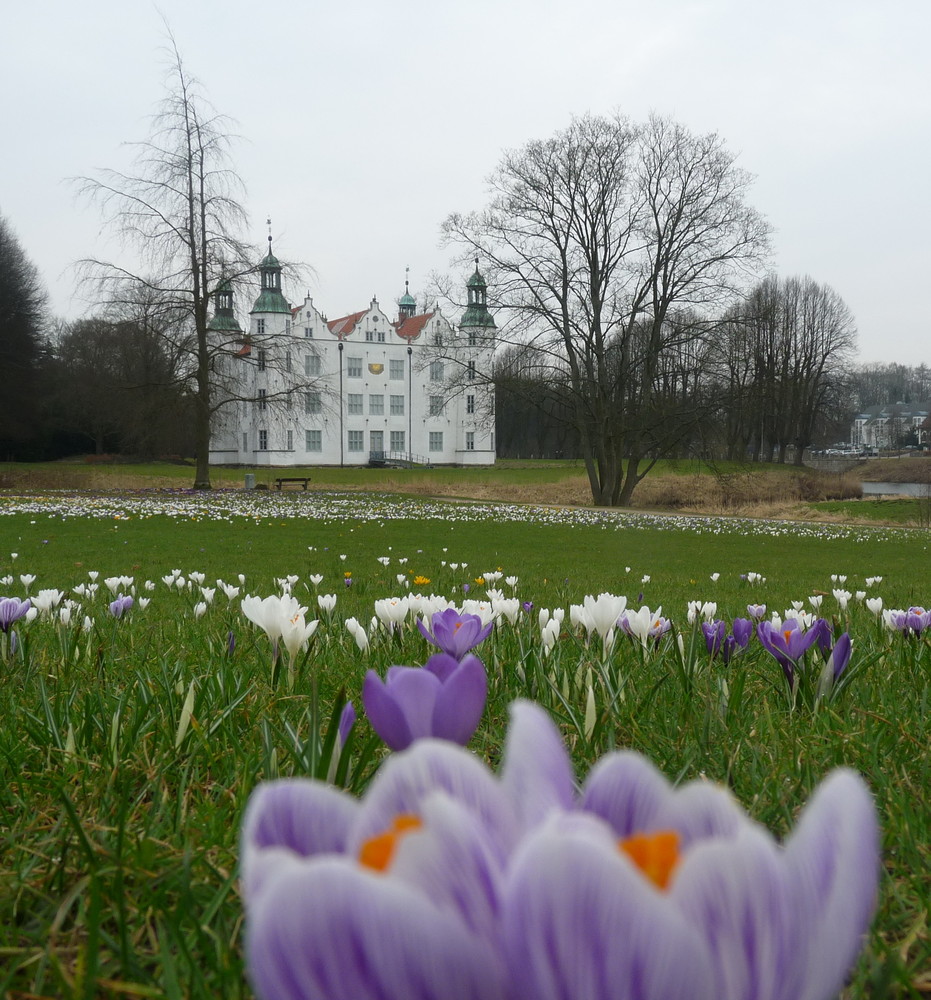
(655,854)
(378,851)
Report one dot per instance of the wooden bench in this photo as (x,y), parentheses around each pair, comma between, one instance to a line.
(279,483)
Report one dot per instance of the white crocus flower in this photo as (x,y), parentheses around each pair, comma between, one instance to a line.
(200,609)
(27,580)
(549,634)
(640,622)
(296,633)
(815,601)
(358,633)
(875,605)
(392,611)
(272,613)
(603,612)
(842,597)
(46,601)
(327,602)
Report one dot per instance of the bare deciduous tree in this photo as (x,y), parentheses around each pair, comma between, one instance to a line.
(594,241)
(181,209)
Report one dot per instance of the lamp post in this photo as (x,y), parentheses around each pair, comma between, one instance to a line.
(340,349)
(410,399)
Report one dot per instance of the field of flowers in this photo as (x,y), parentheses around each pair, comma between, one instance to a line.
(166,654)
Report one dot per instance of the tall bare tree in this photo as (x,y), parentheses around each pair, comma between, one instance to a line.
(181,209)
(594,240)
(798,338)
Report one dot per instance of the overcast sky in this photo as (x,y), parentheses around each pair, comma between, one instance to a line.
(364,123)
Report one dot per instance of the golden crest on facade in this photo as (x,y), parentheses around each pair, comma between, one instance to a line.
(376,369)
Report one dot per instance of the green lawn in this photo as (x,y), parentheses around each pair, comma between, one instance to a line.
(119,819)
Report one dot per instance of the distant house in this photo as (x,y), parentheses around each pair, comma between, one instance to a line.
(366,388)
(888,425)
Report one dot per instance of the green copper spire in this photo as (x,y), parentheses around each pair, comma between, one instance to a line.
(477,313)
(224,319)
(270,299)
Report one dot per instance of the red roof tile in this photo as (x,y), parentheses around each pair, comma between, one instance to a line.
(343,326)
(412,327)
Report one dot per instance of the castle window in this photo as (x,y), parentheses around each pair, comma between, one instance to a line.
(470,440)
(436,441)
(470,371)
(376,405)
(397,440)
(354,404)
(356,440)
(263,440)
(312,403)
(313,440)
(263,400)
(436,406)
(260,327)
(470,404)
(436,371)
(354,367)
(396,368)
(312,364)
(261,359)
(308,333)
(397,407)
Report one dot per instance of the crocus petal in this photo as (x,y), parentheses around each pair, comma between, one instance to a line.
(734,891)
(833,857)
(840,655)
(442,665)
(296,815)
(536,773)
(406,780)
(375,938)
(451,861)
(580,921)
(626,791)
(415,690)
(384,713)
(460,702)
(632,796)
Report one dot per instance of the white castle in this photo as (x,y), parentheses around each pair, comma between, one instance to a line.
(301,389)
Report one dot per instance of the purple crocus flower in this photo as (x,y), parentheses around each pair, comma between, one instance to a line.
(11,610)
(788,644)
(824,636)
(718,641)
(742,629)
(455,633)
(917,620)
(444,698)
(446,882)
(347,719)
(714,633)
(840,655)
(121,605)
